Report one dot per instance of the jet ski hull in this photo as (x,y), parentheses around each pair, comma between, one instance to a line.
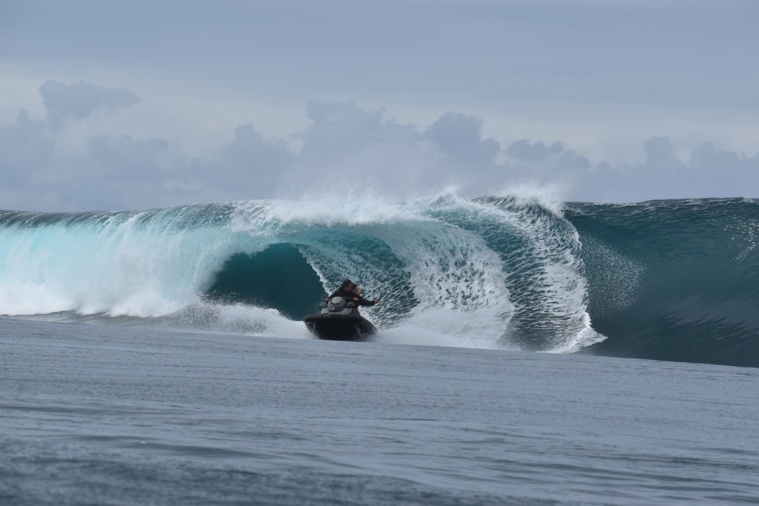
(340,327)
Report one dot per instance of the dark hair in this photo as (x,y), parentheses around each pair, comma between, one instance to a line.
(346,284)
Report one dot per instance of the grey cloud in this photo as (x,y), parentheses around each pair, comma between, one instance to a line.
(706,172)
(379,154)
(344,127)
(125,158)
(345,146)
(706,156)
(460,136)
(554,155)
(248,167)
(351,146)
(721,173)
(24,147)
(113,173)
(126,172)
(80,100)
(527,151)
(538,163)
(660,155)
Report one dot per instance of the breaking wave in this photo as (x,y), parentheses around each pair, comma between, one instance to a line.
(673,280)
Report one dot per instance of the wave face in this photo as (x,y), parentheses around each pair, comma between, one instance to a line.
(673,280)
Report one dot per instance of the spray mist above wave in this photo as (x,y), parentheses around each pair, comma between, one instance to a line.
(494,272)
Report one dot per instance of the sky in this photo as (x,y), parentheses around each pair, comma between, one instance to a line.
(140,104)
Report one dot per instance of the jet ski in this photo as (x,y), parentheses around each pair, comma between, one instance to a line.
(338,321)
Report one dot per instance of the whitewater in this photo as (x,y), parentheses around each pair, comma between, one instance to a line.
(529,352)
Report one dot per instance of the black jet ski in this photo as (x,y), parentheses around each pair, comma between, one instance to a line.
(338,321)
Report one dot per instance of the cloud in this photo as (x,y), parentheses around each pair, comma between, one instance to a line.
(668,172)
(460,136)
(533,152)
(248,167)
(342,133)
(24,148)
(342,125)
(125,159)
(660,155)
(537,155)
(531,72)
(539,164)
(345,148)
(80,100)
(707,156)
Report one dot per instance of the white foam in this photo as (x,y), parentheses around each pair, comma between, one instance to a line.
(239,319)
(480,328)
(122,265)
(333,210)
(19,299)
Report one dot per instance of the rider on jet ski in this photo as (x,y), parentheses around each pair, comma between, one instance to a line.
(346,292)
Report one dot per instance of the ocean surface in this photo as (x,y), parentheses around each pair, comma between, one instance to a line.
(98,414)
(528,352)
